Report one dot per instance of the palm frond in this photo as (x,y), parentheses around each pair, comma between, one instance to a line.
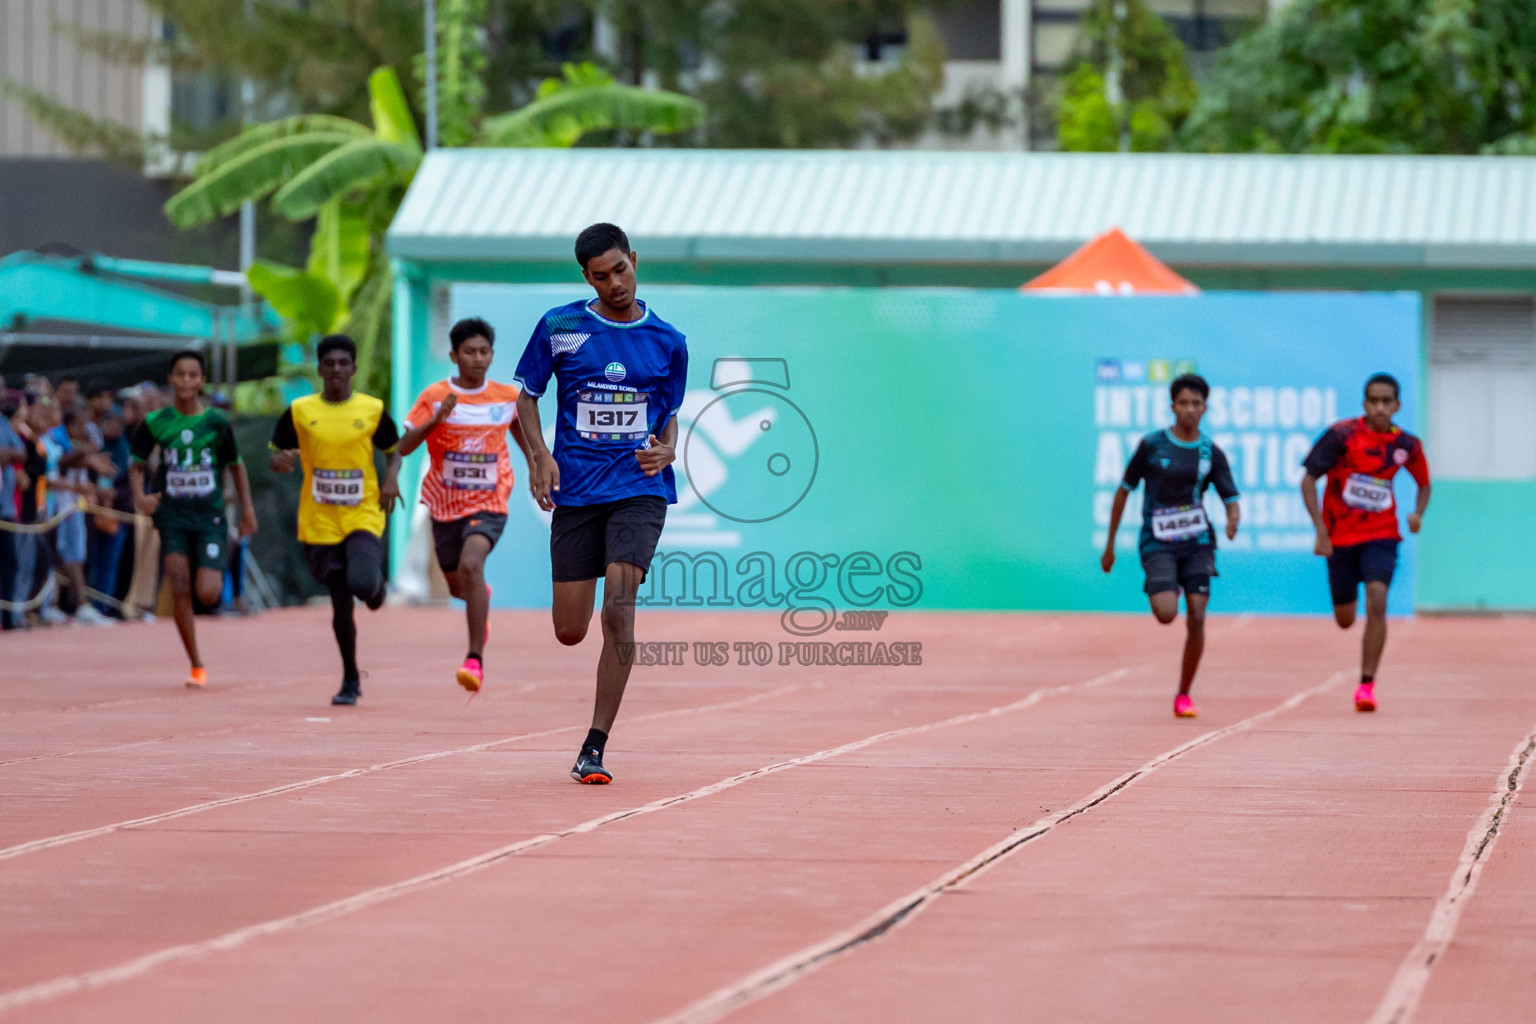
(250,177)
(339,250)
(260,134)
(565,115)
(358,164)
(308,303)
(392,120)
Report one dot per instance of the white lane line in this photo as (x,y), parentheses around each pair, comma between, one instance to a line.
(1397,1006)
(53,842)
(790,969)
(138,966)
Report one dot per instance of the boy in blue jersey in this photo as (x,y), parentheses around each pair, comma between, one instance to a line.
(1178,543)
(621,372)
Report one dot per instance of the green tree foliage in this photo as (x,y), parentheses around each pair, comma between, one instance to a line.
(1125,38)
(787,76)
(1384,76)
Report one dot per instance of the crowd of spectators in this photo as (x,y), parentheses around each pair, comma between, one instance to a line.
(62,447)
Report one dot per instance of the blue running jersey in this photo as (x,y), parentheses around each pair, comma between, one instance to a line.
(618,384)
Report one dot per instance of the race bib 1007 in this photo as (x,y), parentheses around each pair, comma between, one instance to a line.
(1175,524)
(470,471)
(337,486)
(612,416)
(189,483)
(1367,493)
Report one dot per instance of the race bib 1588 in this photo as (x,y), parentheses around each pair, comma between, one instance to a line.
(337,486)
(612,416)
(1367,493)
(1175,524)
(470,471)
(189,483)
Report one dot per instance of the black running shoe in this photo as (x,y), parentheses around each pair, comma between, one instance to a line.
(348,693)
(589,769)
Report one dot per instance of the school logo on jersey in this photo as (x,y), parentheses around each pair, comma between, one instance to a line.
(614,372)
(186,437)
(1400,456)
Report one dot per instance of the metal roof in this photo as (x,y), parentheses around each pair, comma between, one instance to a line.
(890,206)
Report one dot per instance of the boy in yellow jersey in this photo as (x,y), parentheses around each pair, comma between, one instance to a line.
(343,504)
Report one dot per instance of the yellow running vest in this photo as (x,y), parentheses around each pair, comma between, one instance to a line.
(341,487)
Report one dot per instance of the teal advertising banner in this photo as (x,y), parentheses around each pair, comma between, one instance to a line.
(951,449)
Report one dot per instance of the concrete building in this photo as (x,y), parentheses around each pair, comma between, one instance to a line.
(1016,51)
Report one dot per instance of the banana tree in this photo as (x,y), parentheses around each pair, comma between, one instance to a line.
(310,164)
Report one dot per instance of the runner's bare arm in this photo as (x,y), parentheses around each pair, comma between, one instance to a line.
(145,503)
(1116,510)
(1416,517)
(247,506)
(1234,516)
(662,450)
(389,486)
(1324,546)
(543,471)
(417,434)
(522,442)
(282,460)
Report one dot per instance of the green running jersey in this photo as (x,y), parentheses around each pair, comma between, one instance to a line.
(194,452)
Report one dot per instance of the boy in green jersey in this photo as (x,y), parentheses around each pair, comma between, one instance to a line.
(196,444)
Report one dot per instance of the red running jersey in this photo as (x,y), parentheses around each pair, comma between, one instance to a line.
(1358,503)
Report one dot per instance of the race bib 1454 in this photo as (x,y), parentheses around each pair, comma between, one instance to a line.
(1176,524)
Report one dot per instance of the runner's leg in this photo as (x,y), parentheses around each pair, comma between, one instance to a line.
(1194,640)
(470,579)
(618,618)
(1375,640)
(178,571)
(572,610)
(1165,605)
(344,625)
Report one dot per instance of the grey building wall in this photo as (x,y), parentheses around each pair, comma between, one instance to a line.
(34,54)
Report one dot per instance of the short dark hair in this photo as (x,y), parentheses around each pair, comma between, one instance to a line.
(1383,378)
(471,327)
(335,342)
(598,239)
(187,353)
(1189,382)
(97,386)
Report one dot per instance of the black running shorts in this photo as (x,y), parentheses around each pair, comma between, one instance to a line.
(585,539)
(1372,562)
(1190,569)
(448,538)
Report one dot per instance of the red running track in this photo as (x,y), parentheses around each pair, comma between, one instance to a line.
(1016,829)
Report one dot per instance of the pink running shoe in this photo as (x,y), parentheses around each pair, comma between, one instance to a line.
(1365,697)
(471,675)
(1183,707)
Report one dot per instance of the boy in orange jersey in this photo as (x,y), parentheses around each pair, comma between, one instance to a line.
(464,421)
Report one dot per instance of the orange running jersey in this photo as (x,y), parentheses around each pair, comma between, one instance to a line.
(470,469)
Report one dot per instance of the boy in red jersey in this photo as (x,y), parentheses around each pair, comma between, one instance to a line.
(464,421)
(1357,523)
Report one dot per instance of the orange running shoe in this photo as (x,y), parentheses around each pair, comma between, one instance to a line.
(471,674)
(1365,697)
(1183,707)
(198,679)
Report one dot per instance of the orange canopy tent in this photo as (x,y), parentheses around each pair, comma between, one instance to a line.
(1111,264)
